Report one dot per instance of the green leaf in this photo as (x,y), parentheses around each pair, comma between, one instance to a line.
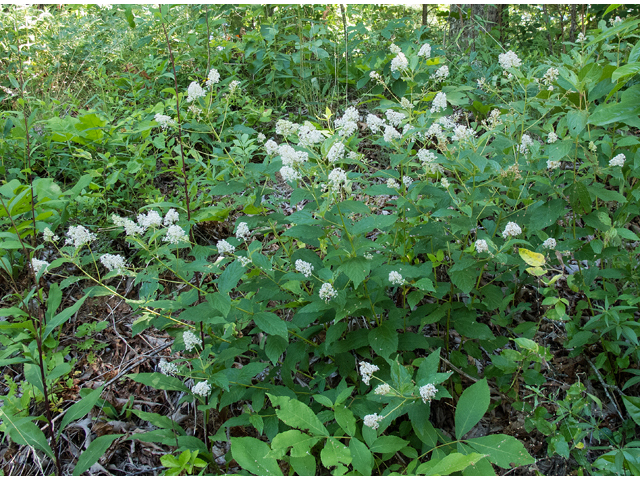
(361,457)
(298,415)
(579,197)
(345,419)
(304,466)
(454,462)
(33,376)
(632,404)
(559,150)
(532,258)
(23,431)
(576,121)
(80,409)
(230,277)
(62,317)
(335,452)
(388,444)
(356,269)
(271,324)
(299,442)
(53,302)
(159,381)
(503,450)
(463,275)
(471,407)
(384,339)
(92,454)
(251,454)
(628,69)
(373,222)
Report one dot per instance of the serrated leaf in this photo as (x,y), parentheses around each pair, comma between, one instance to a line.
(300,444)
(384,340)
(271,324)
(335,452)
(356,268)
(298,415)
(229,279)
(92,454)
(454,462)
(361,457)
(252,455)
(531,258)
(471,407)
(502,450)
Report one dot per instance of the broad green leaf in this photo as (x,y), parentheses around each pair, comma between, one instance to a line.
(531,258)
(384,339)
(454,462)
(92,454)
(361,457)
(471,407)
(80,408)
(159,381)
(33,376)
(632,404)
(24,432)
(335,452)
(229,279)
(536,271)
(628,69)
(304,466)
(251,454)
(345,419)
(298,415)
(271,324)
(356,269)
(300,444)
(503,450)
(62,317)
(464,275)
(388,444)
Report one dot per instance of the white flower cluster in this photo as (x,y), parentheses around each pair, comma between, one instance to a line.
(512,229)
(428,392)
(244,261)
(509,60)
(393,48)
(375,123)
(552,138)
(482,246)
(271,147)
(286,128)
(406,104)
(618,160)
(336,152)
(393,183)
(348,123)
(395,118)
(261,137)
(225,247)
(441,74)
(165,120)
(399,63)
(382,389)
(308,135)
(79,236)
(426,156)
(38,265)
(150,220)
(291,157)
(49,236)
(526,142)
(549,243)
(213,78)
(201,388)
(243,232)
(550,76)
(425,51)
(396,278)
(327,292)
(130,227)
(372,420)
(445,183)
(447,122)
(113,262)
(195,91)
(337,178)
(581,37)
(167,368)
(435,130)
(175,234)
(407,180)
(439,102)
(366,370)
(289,174)
(373,75)
(190,341)
(463,133)
(304,267)
(553,164)
(171,217)
(233,87)
(481,82)
(391,134)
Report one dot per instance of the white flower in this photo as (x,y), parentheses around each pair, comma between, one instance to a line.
(201,388)
(481,246)
(233,87)
(425,51)
(428,392)
(261,137)
(481,83)
(439,102)
(327,292)
(354,155)
(195,91)
(463,133)
(78,236)
(366,370)
(336,152)
(113,262)
(244,261)
(445,182)
(550,243)
(395,118)
(225,247)
(552,138)
(617,161)
(49,236)
(396,278)
(38,265)
(550,76)
(509,60)
(375,123)
(372,421)
(406,104)
(581,37)
(347,124)
(219,47)
(593,147)
(190,341)
(368,256)
(151,219)
(165,120)
(291,157)
(175,235)
(167,368)
(289,174)
(526,142)
(391,134)
(395,49)
(271,147)
(382,389)
(399,62)
(553,164)
(426,156)
(373,75)
(308,135)
(512,229)
(436,130)
(243,232)
(171,217)
(441,74)
(304,267)
(195,110)
(131,227)
(393,183)
(214,77)
(337,177)
(407,180)
(286,128)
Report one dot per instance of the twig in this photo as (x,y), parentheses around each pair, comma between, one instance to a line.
(135,364)
(606,387)
(473,379)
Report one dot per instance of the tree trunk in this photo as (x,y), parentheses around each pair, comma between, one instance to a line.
(574,22)
(546,19)
(503,19)
(425,13)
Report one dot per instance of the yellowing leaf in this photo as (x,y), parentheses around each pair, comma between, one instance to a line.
(537,271)
(531,258)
